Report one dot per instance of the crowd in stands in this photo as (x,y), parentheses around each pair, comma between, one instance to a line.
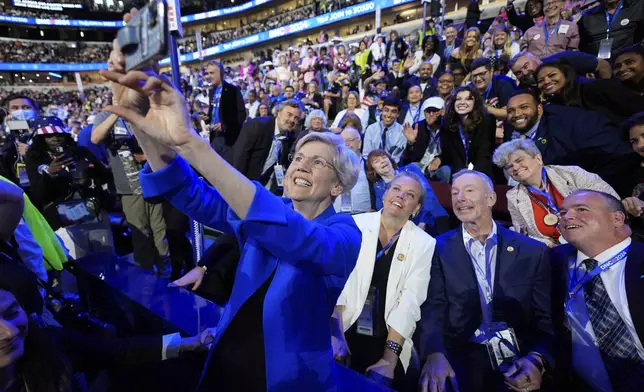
(32,13)
(45,52)
(535,117)
(304,11)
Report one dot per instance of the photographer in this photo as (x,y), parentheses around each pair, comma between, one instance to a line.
(144,217)
(14,142)
(66,183)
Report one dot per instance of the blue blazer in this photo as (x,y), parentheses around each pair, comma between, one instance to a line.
(570,136)
(452,312)
(311,261)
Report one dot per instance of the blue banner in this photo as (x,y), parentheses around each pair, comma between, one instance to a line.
(30,67)
(117,23)
(293,28)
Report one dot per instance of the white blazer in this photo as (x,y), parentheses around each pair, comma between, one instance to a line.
(407,284)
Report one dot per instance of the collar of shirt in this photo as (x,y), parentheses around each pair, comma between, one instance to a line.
(605,255)
(533,131)
(467,237)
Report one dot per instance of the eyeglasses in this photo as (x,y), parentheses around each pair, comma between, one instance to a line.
(315,161)
(479,75)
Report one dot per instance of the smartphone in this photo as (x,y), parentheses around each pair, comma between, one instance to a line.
(144,39)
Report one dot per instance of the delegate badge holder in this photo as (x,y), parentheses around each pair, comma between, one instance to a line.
(502,346)
(605,46)
(365,325)
(345,202)
(21,173)
(279,176)
(74,212)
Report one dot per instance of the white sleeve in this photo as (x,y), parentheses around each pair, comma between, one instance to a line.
(29,251)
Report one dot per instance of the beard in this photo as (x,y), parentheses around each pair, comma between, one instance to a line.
(529,80)
(530,122)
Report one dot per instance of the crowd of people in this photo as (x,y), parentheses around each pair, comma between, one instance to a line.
(26,12)
(362,180)
(45,52)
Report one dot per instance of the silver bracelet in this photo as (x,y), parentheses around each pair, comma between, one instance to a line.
(393,347)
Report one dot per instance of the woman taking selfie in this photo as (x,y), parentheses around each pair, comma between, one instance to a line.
(377,311)
(297,253)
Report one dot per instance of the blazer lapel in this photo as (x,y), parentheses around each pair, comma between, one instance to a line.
(461,259)
(634,280)
(507,250)
(365,264)
(398,264)
(542,140)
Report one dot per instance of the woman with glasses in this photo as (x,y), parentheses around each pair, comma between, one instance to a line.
(377,311)
(352,105)
(297,253)
(382,169)
(534,202)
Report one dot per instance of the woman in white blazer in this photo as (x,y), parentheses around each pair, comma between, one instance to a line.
(376,313)
(534,203)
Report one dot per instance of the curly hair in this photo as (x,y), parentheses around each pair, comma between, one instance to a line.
(569,94)
(452,120)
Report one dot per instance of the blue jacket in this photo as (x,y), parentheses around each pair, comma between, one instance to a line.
(311,260)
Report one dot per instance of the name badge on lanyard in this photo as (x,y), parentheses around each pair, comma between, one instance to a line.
(502,346)
(577,284)
(606,45)
(365,323)
(21,173)
(279,175)
(346,202)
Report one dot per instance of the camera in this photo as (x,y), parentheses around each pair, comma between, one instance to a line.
(145,37)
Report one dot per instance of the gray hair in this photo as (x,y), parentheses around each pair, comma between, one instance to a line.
(523,53)
(415,177)
(502,153)
(288,102)
(477,173)
(317,113)
(346,163)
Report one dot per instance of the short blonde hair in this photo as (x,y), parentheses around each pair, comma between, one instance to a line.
(346,162)
(503,152)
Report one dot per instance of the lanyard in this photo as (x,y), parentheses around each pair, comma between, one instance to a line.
(610,20)
(575,287)
(484,275)
(414,117)
(389,245)
(545,31)
(433,139)
(544,180)
(489,89)
(466,146)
